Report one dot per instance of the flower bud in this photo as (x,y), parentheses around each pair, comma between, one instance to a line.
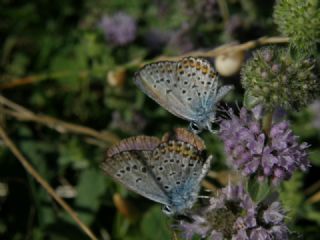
(116,77)
(229,64)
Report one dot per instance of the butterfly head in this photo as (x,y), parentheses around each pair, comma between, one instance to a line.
(167,210)
(203,124)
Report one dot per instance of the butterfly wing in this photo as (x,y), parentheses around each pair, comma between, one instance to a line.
(200,76)
(199,79)
(187,88)
(159,81)
(223,90)
(167,171)
(128,163)
(180,165)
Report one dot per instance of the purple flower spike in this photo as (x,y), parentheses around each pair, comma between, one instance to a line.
(250,150)
(119,29)
(233,215)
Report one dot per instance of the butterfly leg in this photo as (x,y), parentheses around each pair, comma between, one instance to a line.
(209,127)
(208,190)
(204,197)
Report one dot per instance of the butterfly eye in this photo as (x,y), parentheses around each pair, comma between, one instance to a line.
(167,210)
(194,127)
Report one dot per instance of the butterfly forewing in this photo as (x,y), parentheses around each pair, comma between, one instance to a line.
(129,164)
(160,82)
(199,80)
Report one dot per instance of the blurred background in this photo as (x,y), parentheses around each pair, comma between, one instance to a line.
(67,94)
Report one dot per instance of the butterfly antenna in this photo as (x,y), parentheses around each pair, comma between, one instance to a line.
(225,111)
(222,107)
(238,106)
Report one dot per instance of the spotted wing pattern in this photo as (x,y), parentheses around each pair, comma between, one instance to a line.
(127,162)
(180,166)
(186,88)
(167,171)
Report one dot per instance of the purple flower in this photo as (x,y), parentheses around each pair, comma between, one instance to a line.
(180,40)
(233,215)
(119,29)
(274,156)
(156,39)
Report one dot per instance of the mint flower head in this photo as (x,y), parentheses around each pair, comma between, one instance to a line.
(274,155)
(232,214)
(300,21)
(275,79)
(119,29)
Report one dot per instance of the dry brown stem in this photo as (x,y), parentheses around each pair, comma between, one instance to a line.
(23,114)
(16,152)
(224,49)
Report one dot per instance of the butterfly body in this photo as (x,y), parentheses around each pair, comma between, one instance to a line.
(188,88)
(168,171)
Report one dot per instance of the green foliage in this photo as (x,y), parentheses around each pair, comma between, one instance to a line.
(300,21)
(155,225)
(90,190)
(291,200)
(60,63)
(258,190)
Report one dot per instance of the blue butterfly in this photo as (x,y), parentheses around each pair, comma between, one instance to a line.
(168,171)
(188,88)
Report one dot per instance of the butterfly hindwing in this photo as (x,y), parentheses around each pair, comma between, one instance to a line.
(159,81)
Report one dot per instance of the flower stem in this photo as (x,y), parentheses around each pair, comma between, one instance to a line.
(267,122)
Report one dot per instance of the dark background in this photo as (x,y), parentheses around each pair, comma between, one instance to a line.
(56,60)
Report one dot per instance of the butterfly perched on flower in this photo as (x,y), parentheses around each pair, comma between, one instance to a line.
(167,170)
(188,88)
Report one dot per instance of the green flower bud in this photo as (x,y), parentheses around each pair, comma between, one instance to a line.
(300,21)
(273,78)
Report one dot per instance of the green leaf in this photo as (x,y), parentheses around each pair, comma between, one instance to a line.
(312,214)
(121,226)
(71,153)
(250,101)
(91,187)
(314,157)
(292,196)
(258,190)
(155,225)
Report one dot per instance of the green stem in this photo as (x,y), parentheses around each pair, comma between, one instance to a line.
(267,122)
